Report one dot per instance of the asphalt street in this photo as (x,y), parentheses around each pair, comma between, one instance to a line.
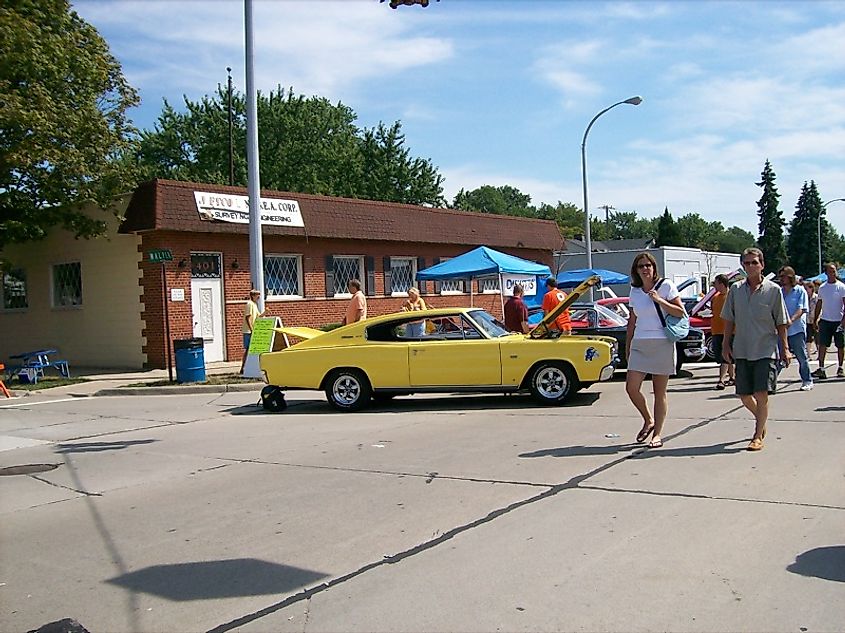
(201,512)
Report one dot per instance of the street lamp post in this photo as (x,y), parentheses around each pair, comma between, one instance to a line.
(824,206)
(587,241)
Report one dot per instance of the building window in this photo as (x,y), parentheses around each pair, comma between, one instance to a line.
(67,285)
(347,267)
(403,271)
(14,289)
(283,275)
(489,285)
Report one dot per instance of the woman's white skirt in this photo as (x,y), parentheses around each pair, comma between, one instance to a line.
(652,356)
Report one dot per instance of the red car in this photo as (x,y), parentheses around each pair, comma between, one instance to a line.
(700,320)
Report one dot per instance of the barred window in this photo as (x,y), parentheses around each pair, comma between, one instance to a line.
(67,285)
(403,270)
(489,284)
(347,267)
(283,275)
(14,289)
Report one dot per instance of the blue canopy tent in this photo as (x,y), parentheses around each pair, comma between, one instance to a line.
(823,276)
(571,278)
(484,262)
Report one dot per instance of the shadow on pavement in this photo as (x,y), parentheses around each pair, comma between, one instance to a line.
(614,449)
(96,447)
(822,562)
(404,404)
(216,579)
(830,409)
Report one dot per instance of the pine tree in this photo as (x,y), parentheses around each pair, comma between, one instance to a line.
(770,240)
(802,244)
(668,233)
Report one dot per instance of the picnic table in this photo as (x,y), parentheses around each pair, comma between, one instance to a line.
(33,364)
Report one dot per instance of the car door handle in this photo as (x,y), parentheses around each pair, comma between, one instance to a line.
(514,356)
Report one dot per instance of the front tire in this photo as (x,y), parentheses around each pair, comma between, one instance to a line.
(552,383)
(348,390)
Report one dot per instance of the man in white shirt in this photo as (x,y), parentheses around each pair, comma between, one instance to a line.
(830,320)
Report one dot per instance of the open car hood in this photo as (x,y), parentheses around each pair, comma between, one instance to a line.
(543,330)
(306,333)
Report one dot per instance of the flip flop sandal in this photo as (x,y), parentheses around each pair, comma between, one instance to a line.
(756,445)
(720,386)
(655,444)
(642,436)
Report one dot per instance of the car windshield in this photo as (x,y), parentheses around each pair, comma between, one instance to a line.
(487,322)
(606,317)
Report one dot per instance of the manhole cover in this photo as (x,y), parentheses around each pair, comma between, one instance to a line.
(27,469)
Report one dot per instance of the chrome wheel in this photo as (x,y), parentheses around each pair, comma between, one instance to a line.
(551,383)
(348,390)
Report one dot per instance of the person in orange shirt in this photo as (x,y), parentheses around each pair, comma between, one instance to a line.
(717,330)
(356,310)
(551,299)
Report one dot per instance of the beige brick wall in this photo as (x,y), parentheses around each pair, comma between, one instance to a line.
(106,330)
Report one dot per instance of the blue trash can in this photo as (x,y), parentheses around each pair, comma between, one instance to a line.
(190,360)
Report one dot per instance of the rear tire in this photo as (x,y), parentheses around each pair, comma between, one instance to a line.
(553,382)
(348,390)
(273,399)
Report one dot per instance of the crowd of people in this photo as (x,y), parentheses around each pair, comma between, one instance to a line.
(758,327)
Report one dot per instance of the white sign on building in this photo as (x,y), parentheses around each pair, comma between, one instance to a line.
(228,208)
(529,284)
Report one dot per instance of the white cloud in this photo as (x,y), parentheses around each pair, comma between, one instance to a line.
(317,47)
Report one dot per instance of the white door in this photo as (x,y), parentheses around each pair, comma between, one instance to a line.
(207,304)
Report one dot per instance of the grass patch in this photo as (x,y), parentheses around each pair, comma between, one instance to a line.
(211,379)
(46,382)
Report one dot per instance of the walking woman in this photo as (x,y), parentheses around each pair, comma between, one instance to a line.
(648,349)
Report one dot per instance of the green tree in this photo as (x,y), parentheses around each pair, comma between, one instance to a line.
(667,230)
(391,174)
(63,102)
(626,225)
(696,232)
(770,239)
(504,200)
(734,240)
(307,145)
(569,217)
(803,231)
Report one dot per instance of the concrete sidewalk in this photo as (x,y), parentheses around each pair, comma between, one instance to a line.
(112,382)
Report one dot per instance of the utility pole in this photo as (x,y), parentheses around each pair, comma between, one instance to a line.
(607,209)
(231,141)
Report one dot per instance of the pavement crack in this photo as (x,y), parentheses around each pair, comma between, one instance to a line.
(690,495)
(76,490)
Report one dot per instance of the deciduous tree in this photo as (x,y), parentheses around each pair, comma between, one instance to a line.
(63,102)
(306,145)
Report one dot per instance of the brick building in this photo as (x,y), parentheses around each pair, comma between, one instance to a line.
(312,245)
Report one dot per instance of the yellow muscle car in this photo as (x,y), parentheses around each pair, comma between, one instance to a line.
(440,350)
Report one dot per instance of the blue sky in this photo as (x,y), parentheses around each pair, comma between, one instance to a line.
(500,91)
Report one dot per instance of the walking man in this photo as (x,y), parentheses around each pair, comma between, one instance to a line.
(797,307)
(830,320)
(755,315)
(251,312)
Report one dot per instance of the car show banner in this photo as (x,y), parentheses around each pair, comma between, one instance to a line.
(529,284)
(262,340)
(230,208)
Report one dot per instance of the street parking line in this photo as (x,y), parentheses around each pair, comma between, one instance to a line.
(32,404)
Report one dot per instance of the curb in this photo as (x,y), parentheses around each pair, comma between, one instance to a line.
(176,390)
